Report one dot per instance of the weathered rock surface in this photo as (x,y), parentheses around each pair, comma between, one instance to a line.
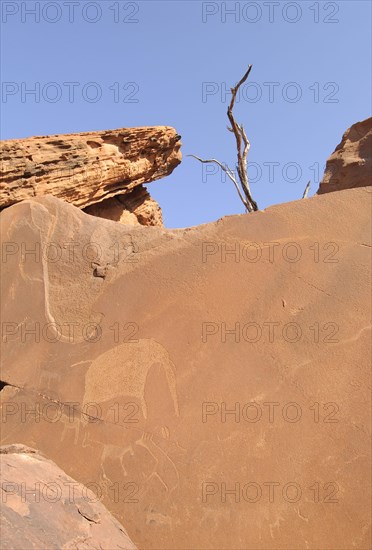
(117,338)
(350,165)
(43,508)
(134,208)
(86,168)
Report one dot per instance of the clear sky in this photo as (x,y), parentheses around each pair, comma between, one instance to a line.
(98,65)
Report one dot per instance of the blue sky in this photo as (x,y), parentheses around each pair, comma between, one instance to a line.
(172,63)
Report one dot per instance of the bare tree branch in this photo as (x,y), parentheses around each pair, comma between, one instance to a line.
(307,189)
(240,135)
(228,171)
(243,146)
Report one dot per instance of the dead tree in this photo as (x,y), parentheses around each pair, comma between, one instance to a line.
(243,146)
(306,192)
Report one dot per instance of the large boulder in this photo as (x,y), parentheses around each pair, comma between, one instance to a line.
(213,382)
(350,165)
(90,168)
(43,508)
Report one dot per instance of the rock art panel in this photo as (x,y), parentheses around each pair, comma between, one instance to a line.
(238,414)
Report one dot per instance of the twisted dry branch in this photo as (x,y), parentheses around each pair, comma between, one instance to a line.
(228,171)
(243,146)
(240,137)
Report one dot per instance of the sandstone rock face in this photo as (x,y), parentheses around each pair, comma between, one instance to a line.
(350,165)
(134,208)
(210,384)
(85,169)
(42,507)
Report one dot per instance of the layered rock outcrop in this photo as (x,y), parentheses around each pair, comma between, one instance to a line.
(350,165)
(212,382)
(88,168)
(42,507)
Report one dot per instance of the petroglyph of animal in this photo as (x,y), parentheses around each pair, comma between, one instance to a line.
(123,370)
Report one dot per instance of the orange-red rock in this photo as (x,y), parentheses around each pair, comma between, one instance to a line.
(134,208)
(350,165)
(213,381)
(43,508)
(87,168)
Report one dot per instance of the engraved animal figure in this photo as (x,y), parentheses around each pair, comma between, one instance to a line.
(160,466)
(123,370)
(163,468)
